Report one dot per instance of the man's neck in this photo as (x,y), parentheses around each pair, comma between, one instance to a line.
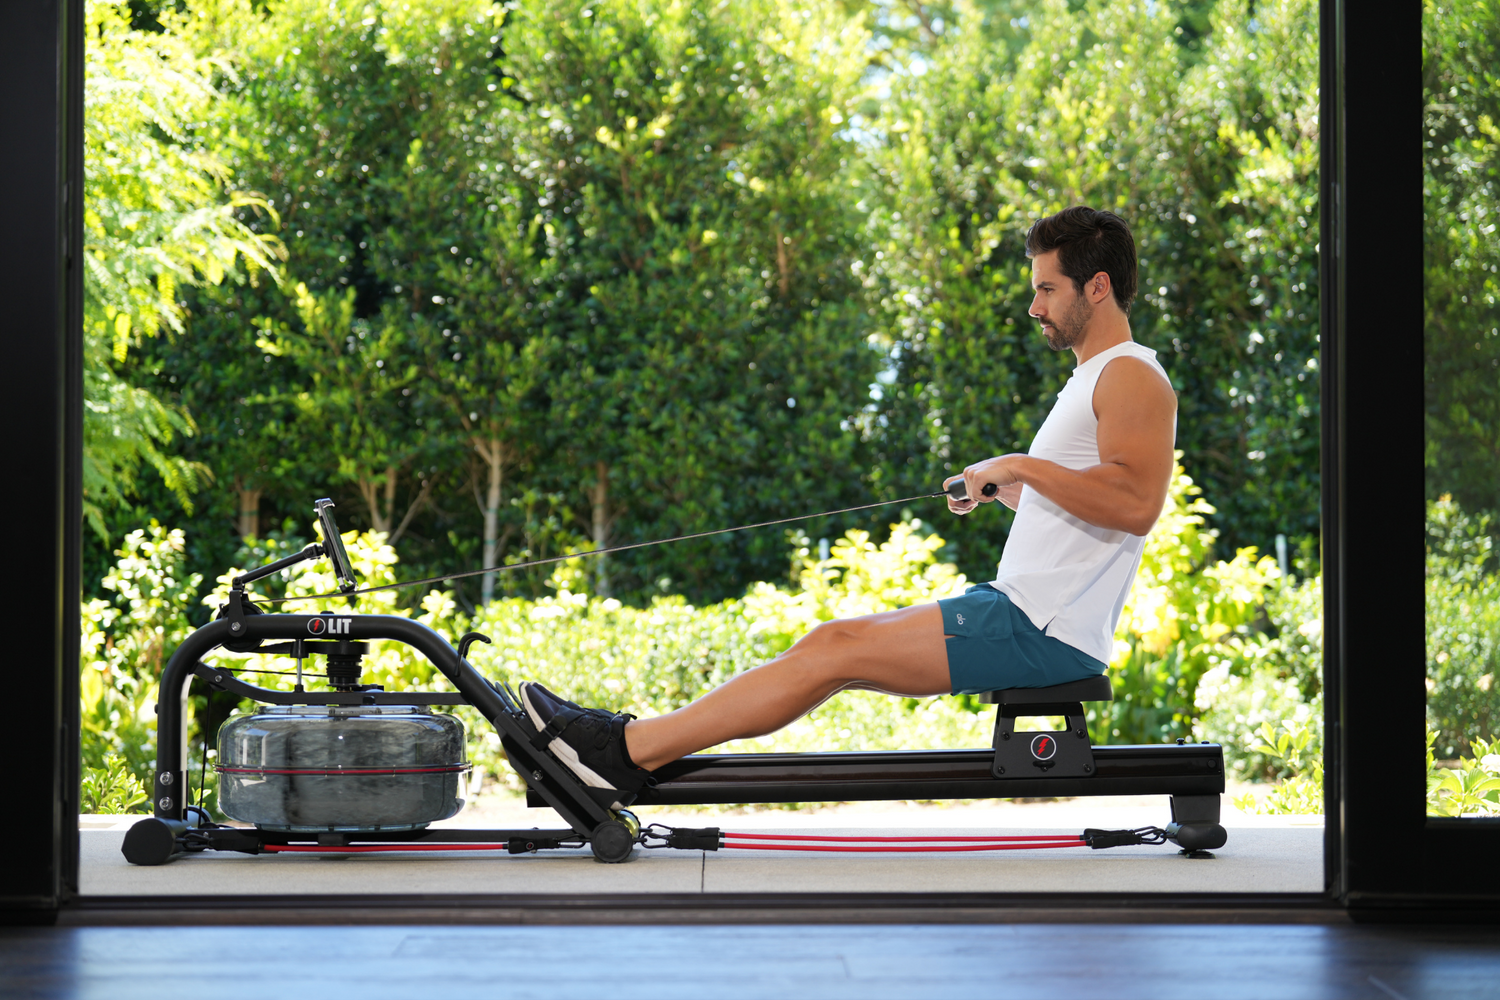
(1100,335)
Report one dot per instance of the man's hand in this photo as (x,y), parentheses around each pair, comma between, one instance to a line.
(999,472)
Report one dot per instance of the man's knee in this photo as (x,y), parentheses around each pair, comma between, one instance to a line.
(833,643)
(839,632)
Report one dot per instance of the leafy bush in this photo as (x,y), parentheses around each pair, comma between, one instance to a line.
(1469,786)
(1272,677)
(1226,650)
(1463,628)
(1185,615)
(1187,622)
(111,789)
(1299,750)
(1277,677)
(125,643)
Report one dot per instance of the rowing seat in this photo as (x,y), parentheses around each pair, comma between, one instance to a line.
(1064,753)
(1089,689)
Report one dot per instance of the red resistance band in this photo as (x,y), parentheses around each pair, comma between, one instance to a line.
(750,842)
(795,842)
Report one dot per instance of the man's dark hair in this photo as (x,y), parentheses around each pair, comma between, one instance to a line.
(1088,241)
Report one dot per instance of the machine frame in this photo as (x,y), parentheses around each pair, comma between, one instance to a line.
(1192,774)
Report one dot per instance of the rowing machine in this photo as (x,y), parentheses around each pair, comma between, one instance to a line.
(355,767)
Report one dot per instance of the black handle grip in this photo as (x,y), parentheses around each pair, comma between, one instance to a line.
(957,491)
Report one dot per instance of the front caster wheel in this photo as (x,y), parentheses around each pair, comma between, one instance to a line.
(153,841)
(612,842)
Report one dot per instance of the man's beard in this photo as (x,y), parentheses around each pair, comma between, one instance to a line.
(1070,326)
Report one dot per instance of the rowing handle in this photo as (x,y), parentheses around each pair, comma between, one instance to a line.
(957,491)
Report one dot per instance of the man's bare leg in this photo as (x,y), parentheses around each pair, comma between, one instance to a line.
(898,652)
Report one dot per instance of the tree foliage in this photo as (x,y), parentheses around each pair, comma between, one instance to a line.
(1461,250)
(159,215)
(582,274)
(712,348)
(1212,161)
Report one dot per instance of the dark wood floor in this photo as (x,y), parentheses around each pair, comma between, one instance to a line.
(1053,961)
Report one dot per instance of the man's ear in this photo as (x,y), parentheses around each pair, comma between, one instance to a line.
(1098,288)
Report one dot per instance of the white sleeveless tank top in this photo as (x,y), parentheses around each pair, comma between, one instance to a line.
(1070,577)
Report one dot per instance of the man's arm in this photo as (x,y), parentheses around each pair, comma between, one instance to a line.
(1126,491)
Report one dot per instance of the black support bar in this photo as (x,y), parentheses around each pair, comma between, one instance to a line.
(222,679)
(707,779)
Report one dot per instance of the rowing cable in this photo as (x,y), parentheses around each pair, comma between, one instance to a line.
(595,552)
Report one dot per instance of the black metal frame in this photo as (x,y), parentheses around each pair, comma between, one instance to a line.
(581,808)
(41,284)
(1373,497)
(1381,849)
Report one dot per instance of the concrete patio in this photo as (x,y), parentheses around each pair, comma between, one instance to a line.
(1264,854)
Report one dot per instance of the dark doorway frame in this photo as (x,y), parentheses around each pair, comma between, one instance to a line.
(41,167)
(1383,851)
(1383,855)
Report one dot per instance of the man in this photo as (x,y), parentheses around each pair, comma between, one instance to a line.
(1089,490)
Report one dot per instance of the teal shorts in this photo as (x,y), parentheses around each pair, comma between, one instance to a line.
(994,646)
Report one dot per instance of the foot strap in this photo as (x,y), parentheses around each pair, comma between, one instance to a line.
(542,738)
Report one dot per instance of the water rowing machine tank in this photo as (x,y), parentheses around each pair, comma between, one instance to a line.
(311,768)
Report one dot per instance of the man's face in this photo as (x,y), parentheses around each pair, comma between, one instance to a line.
(1062,310)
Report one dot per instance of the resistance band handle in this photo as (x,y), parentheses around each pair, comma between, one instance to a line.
(1101,839)
(710,838)
(958,491)
(707,839)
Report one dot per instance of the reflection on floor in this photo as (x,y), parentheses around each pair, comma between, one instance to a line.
(810,962)
(1264,854)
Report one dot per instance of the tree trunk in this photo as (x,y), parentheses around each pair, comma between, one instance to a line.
(390,498)
(380,506)
(492,451)
(411,512)
(783,264)
(249,510)
(599,497)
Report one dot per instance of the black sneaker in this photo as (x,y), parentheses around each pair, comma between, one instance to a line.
(590,742)
(540,689)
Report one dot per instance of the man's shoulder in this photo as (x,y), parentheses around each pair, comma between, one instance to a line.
(1137,367)
(1135,377)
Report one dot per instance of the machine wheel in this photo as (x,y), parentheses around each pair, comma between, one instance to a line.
(152,841)
(612,842)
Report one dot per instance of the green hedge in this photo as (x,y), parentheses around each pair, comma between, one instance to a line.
(1227,650)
